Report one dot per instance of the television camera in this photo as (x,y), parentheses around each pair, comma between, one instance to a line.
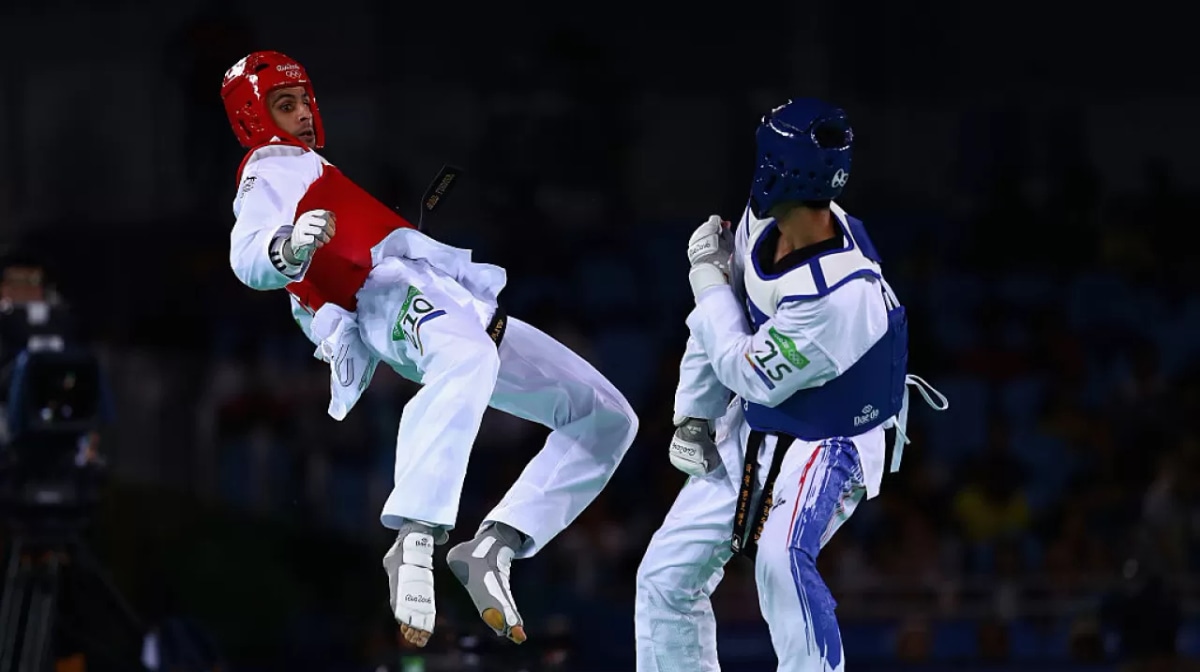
(53,404)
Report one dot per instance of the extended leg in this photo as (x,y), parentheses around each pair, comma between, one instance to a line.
(418,323)
(592,426)
(543,381)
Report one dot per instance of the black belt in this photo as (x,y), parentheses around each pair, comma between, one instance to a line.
(739,543)
(498,325)
(889,449)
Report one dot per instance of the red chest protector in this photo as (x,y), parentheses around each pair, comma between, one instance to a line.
(339,269)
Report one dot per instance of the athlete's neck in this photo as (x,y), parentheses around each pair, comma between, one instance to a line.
(802,227)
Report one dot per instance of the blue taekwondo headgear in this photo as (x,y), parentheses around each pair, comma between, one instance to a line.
(804,150)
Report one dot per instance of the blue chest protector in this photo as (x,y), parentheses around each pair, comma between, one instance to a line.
(870,392)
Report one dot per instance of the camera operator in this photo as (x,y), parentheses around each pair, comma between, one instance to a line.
(32,317)
(53,402)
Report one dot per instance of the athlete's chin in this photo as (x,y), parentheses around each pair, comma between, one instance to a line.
(309,138)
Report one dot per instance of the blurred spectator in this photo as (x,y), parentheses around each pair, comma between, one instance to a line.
(1146,616)
(992,506)
(1086,642)
(913,643)
(32,314)
(993,641)
(1170,511)
(1074,554)
(557,646)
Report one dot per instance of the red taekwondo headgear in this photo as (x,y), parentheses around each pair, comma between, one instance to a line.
(245,91)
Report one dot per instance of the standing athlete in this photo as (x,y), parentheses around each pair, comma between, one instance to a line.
(794,318)
(367,287)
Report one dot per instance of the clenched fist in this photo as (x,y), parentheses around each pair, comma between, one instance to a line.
(693,450)
(312,230)
(710,250)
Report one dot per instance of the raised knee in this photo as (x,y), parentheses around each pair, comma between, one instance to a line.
(614,419)
(625,418)
(627,423)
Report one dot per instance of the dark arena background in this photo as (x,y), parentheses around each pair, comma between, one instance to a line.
(1029,173)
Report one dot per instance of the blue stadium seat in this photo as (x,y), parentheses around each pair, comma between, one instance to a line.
(954,640)
(1027,641)
(1189,638)
(869,640)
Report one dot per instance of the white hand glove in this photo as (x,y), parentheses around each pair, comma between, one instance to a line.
(693,450)
(710,252)
(311,231)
